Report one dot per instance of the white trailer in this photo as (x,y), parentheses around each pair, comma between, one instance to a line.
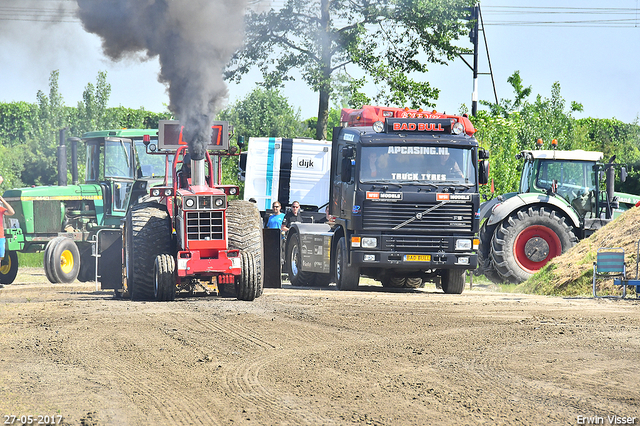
(287,170)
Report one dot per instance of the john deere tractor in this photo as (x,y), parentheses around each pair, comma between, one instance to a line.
(66,220)
(564,196)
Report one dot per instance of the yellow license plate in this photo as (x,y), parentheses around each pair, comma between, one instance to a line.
(417,258)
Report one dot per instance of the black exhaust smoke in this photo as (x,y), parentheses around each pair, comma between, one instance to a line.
(193,39)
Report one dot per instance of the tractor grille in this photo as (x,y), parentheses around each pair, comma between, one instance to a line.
(205,226)
(448,217)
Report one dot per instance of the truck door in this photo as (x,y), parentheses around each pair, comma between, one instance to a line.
(343,182)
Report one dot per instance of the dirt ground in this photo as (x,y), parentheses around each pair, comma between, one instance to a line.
(302,356)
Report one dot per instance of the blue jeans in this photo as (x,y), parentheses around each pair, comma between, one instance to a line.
(3,242)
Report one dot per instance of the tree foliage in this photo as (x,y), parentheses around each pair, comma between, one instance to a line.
(29,133)
(516,124)
(390,40)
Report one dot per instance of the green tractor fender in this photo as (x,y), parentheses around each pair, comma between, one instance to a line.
(487,206)
(500,211)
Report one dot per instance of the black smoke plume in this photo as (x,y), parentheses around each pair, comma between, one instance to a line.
(193,40)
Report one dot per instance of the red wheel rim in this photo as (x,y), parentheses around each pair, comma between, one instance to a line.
(537,231)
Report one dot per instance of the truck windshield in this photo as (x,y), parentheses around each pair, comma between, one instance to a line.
(428,164)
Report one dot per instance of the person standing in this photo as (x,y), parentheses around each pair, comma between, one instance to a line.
(291,216)
(5,210)
(275,220)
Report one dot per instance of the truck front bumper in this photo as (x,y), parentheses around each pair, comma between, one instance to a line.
(400,260)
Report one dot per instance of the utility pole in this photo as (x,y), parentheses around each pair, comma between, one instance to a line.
(473,36)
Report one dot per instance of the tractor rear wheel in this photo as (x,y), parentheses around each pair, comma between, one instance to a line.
(9,267)
(294,263)
(244,226)
(165,278)
(63,260)
(453,280)
(148,235)
(248,285)
(347,277)
(527,240)
(485,265)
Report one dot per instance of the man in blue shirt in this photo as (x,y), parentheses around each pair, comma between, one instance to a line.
(275,220)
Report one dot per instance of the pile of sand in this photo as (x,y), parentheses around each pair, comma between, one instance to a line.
(571,273)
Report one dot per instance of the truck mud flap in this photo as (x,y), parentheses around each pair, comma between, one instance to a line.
(110,260)
(272,240)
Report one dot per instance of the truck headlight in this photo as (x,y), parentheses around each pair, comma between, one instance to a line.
(463,244)
(368,242)
(218,202)
(189,202)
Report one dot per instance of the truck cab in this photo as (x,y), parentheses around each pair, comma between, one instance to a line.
(404,194)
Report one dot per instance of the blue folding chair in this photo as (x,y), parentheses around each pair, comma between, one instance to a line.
(609,264)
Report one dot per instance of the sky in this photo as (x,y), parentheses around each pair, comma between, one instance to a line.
(591,48)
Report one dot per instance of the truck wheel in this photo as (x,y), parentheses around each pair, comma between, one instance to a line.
(149,234)
(527,240)
(394,282)
(453,281)
(294,263)
(248,285)
(64,260)
(9,267)
(244,226)
(413,282)
(165,278)
(321,280)
(347,277)
(46,260)
(485,265)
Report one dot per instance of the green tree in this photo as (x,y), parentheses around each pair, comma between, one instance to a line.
(516,125)
(390,40)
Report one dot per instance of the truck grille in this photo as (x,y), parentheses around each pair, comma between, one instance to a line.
(205,225)
(416,243)
(448,217)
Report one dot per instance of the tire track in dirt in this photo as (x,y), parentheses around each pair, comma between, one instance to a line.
(123,363)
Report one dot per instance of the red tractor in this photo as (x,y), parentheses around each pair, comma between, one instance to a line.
(189,237)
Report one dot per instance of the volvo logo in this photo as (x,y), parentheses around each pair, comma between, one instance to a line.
(418,216)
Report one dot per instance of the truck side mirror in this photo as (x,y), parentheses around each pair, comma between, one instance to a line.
(483,154)
(483,172)
(345,170)
(623,174)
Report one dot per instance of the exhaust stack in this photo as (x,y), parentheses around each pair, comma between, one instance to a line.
(197,173)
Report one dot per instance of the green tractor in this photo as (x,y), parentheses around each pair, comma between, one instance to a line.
(564,196)
(69,222)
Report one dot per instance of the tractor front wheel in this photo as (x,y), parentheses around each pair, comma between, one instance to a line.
(165,278)
(62,260)
(248,285)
